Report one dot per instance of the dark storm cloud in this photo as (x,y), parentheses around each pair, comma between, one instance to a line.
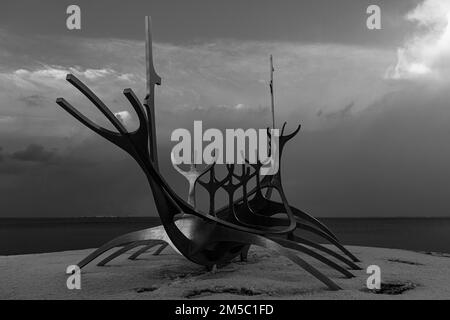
(34,153)
(389,160)
(110,184)
(1,154)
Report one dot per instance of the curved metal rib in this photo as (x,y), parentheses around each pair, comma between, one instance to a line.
(105,133)
(97,102)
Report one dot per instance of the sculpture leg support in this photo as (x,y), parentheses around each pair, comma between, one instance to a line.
(244,253)
(351,264)
(329,238)
(160,249)
(135,255)
(297,247)
(156,233)
(128,248)
(269,244)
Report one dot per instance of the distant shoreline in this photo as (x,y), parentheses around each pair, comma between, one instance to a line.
(39,235)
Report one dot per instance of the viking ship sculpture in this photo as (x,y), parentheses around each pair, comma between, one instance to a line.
(219,236)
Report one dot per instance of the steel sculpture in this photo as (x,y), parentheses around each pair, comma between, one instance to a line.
(221,235)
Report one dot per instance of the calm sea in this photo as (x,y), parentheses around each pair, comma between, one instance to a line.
(23,236)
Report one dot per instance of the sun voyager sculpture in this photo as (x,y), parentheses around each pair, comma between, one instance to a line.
(216,237)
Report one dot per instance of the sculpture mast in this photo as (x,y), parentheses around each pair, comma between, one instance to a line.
(152,79)
(272,104)
(271,92)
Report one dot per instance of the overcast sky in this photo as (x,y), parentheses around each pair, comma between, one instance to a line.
(374,104)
